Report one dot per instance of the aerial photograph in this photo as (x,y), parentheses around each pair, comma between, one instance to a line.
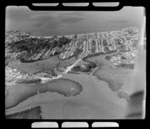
(75,64)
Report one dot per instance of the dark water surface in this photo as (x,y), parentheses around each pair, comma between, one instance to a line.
(46,23)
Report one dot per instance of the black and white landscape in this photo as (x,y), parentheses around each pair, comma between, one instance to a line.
(75,64)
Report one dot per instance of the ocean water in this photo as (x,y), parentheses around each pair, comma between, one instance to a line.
(47,23)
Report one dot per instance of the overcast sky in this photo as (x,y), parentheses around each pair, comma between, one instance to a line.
(46,23)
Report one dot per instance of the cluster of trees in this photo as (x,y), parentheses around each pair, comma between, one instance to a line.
(85,67)
(26,47)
